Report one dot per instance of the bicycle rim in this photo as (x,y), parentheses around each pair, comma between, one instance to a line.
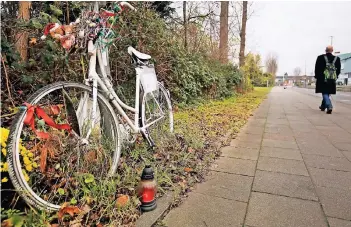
(48,172)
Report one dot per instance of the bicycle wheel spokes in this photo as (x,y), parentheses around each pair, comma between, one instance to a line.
(56,161)
(157,107)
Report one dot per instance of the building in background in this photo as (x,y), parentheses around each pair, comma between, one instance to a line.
(345,74)
(303,80)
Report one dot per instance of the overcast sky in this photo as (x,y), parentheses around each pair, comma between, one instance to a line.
(298,31)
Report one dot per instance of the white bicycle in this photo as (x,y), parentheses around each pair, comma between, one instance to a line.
(70,134)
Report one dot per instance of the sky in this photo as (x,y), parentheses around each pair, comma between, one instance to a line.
(298,31)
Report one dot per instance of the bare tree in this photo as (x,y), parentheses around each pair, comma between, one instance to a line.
(297,71)
(223,41)
(22,37)
(243,35)
(272,64)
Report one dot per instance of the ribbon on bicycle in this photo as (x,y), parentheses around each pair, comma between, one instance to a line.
(33,110)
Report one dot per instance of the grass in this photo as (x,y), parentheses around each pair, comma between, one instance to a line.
(179,163)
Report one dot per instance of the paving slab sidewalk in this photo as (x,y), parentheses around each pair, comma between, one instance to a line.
(289,166)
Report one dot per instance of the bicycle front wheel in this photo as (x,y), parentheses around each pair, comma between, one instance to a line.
(51,158)
(156,111)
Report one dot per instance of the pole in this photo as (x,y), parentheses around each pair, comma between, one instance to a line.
(331,40)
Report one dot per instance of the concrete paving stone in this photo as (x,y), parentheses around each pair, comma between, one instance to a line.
(321,121)
(280,153)
(320,150)
(249,138)
(335,222)
(331,178)
(277,121)
(347,154)
(245,144)
(239,152)
(343,146)
(245,135)
(236,166)
(306,135)
(279,143)
(226,185)
(257,122)
(282,165)
(201,210)
(283,131)
(284,184)
(331,129)
(276,211)
(298,120)
(304,129)
(276,136)
(336,202)
(324,162)
(345,138)
(254,130)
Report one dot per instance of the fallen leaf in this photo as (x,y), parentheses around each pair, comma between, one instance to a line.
(55,110)
(122,201)
(71,210)
(190,150)
(43,157)
(33,41)
(90,156)
(188,170)
(14,221)
(54,225)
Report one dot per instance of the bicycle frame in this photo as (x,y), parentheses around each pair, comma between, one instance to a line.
(104,83)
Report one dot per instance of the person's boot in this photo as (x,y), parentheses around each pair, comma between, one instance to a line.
(322,108)
(329,111)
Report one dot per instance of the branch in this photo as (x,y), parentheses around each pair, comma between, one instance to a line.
(7,81)
(200,16)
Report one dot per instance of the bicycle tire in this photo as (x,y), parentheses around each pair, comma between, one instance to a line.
(151,130)
(13,157)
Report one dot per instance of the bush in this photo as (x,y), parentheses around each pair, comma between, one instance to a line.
(188,76)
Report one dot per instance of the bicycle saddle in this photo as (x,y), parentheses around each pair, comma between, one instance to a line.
(134,53)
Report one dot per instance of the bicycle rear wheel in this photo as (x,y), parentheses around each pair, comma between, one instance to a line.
(157,106)
(49,165)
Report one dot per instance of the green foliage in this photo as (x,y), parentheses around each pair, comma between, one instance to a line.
(253,71)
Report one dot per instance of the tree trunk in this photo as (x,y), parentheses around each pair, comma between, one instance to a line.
(223,33)
(22,37)
(67,12)
(242,35)
(185,25)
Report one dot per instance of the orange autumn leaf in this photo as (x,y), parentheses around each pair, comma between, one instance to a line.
(190,149)
(122,201)
(188,170)
(55,110)
(33,41)
(71,210)
(43,158)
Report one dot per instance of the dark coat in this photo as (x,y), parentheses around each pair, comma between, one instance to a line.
(328,87)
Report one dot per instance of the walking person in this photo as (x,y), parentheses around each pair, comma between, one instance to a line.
(327,71)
